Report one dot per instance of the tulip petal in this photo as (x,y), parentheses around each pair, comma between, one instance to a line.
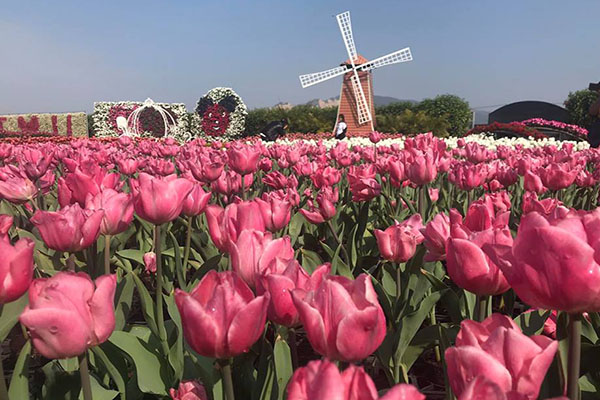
(403,391)
(247,325)
(102,307)
(360,333)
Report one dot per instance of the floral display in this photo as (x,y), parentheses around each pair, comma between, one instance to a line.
(376,267)
(73,124)
(150,121)
(220,114)
(540,122)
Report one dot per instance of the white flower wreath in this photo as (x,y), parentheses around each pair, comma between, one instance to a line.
(237,116)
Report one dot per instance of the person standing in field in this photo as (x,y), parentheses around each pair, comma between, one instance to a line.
(340,130)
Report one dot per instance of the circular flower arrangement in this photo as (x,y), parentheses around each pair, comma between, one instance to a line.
(221,114)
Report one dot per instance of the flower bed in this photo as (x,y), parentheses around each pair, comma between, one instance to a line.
(540,122)
(72,124)
(307,269)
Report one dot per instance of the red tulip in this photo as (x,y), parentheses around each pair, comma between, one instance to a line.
(159,200)
(189,390)
(398,243)
(196,201)
(69,229)
(280,285)
(68,313)
(276,213)
(497,350)
(342,318)
(16,269)
(255,251)
(224,225)
(243,159)
(221,317)
(321,380)
(18,190)
(117,207)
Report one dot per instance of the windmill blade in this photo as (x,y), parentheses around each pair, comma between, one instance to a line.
(363,111)
(399,56)
(343,20)
(312,79)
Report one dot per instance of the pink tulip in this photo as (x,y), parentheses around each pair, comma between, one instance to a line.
(276,213)
(497,350)
(326,210)
(68,313)
(150,262)
(545,206)
(321,380)
(253,252)
(552,264)
(342,317)
(375,137)
(159,200)
(243,159)
(421,168)
(117,207)
(16,270)
(69,229)
(436,232)
(469,266)
(482,388)
(224,225)
(280,285)
(196,201)
(398,243)
(76,186)
(363,189)
(189,390)
(558,175)
(221,317)
(533,183)
(18,190)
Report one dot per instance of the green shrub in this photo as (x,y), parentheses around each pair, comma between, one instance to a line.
(395,108)
(410,122)
(578,104)
(453,109)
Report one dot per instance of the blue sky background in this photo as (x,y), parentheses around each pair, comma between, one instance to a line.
(64,55)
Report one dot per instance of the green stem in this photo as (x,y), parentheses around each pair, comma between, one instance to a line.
(482,307)
(186,250)
(160,321)
(243,189)
(227,380)
(86,387)
(339,243)
(398,286)
(433,320)
(574,360)
(422,190)
(107,254)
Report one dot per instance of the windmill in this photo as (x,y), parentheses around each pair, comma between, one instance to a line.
(356,97)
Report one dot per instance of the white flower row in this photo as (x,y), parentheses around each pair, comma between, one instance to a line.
(483,139)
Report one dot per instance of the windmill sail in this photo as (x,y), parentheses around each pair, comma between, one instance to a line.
(392,58)
(362,107)
(346,29)
(318,77)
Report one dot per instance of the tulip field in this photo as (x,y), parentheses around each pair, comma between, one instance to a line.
(385,267)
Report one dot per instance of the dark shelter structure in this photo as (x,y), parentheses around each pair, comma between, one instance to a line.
(523,110)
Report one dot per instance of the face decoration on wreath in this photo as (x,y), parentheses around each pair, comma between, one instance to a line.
(215,116)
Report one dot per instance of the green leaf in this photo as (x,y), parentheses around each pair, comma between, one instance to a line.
(295,226)
(10,315)
(310,260)
(410,323)
(19,382)
(449,299)
(124,297)
(133,255)
(151,368)
(532,322)
(176,349)
(353,246)
(283,365)
(113,371)
(147,303)
(178,262)
(99,392)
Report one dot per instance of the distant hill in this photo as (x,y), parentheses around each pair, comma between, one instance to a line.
(335,101)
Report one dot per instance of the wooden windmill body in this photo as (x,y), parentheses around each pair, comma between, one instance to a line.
(356,96)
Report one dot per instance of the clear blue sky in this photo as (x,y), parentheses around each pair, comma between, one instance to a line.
(64,55)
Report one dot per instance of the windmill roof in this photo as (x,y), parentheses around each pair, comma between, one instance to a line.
(357,60)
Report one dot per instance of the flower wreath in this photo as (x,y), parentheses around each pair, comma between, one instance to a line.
(221,114)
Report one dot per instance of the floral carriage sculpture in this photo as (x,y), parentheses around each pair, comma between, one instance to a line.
(220,114)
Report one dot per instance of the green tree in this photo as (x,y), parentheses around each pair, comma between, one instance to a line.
(578,104)
(395,107)
(453,109)
(410,123)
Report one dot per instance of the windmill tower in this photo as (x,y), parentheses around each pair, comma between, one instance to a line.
(356,97)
